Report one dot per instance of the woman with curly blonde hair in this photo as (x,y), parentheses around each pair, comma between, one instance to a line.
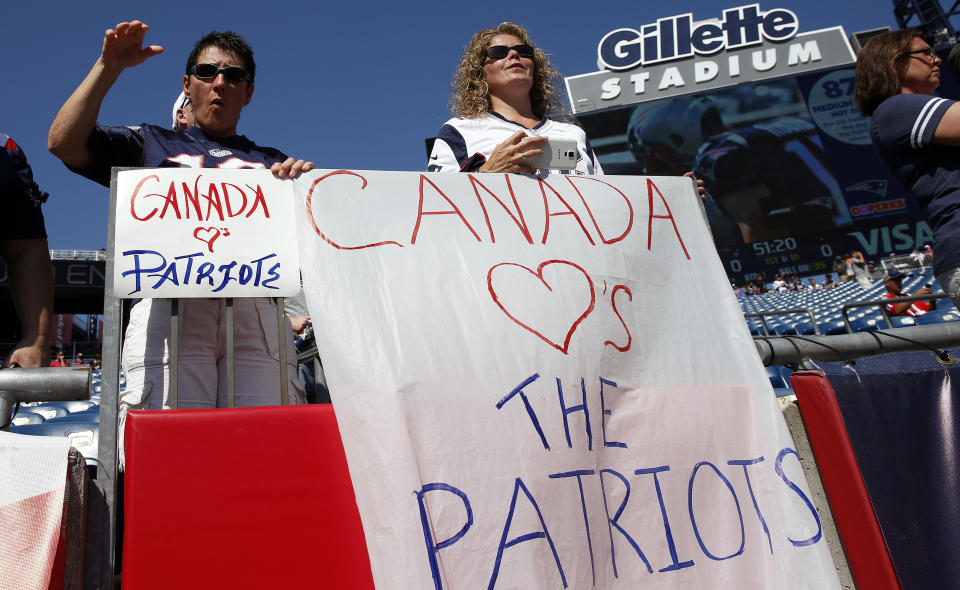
(502,95)
(917,134)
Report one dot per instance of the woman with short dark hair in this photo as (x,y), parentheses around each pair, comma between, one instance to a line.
(918,135)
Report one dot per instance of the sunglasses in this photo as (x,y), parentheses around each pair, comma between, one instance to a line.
(925,52)
(502,51)
(232,74)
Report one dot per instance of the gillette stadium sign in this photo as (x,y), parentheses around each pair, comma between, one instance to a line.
(677,55)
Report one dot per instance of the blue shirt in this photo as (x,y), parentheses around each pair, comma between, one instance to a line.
(150,146)
(902,128)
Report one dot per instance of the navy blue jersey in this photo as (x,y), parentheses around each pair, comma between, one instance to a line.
(149,146)
(779,168)
(902,128)
(20,197)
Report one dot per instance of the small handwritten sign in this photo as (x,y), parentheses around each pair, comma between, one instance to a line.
(204,233)
(547,383)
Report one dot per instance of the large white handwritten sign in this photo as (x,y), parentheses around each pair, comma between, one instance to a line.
(204,233)
(548,384)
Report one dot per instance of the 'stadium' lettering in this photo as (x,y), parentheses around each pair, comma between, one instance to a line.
(677,37)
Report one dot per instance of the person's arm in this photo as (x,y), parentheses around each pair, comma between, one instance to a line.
(948,130)
(122,48)
(298,322)
(450,152)
(31,280)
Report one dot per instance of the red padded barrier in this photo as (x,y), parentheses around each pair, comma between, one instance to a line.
(240,498)
(853,512)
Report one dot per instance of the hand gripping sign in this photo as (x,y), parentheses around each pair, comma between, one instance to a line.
(204,233)
(547,383)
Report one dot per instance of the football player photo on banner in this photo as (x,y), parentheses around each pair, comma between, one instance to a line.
(183,232)
(546,382)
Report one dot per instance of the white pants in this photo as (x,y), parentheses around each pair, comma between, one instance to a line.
(202,362)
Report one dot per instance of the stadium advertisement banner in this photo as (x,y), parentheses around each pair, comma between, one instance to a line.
(61,328)
(545,382)
(793,181)
(183,232)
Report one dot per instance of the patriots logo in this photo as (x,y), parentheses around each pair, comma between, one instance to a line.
(875,185)
(219,153)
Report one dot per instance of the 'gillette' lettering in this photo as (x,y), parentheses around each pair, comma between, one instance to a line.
(679,36)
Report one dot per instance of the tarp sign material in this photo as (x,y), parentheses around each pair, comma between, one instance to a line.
(547,383)
(900,413)
(33,472)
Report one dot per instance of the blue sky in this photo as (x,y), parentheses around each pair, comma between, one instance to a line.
(357,85)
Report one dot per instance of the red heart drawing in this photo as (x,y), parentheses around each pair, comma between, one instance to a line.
(214,234)
(539,274)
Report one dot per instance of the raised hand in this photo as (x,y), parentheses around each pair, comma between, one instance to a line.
(123,46)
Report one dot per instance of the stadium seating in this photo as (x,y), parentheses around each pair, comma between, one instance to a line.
(825,305)
(26,417)
(84,435)
(78,420)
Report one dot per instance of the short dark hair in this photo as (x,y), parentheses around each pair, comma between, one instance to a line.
(876,72)
(227,41)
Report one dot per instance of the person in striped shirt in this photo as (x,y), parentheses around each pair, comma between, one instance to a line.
(917,134)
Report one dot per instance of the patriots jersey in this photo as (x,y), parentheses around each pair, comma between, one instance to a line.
(20,197)
(463,145)
(784,154)
(902,128)
(15,172)
(149,146)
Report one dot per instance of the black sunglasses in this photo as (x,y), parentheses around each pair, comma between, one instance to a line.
(926,52)
(232,74)
(502,51)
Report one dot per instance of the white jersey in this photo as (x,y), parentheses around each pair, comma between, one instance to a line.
(463,145)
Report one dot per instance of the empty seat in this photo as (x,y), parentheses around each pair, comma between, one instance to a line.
(24,417)
(938,317)
(48,410)
(73,406)
(833,327)
(779,376)
(83,436)
(863,324)
(900,321)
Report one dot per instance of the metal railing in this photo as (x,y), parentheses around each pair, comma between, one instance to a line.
(41,385)
(794,350)
(882,303)
(907,262)
(799,310)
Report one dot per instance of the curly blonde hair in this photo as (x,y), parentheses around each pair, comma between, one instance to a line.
(470,94)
